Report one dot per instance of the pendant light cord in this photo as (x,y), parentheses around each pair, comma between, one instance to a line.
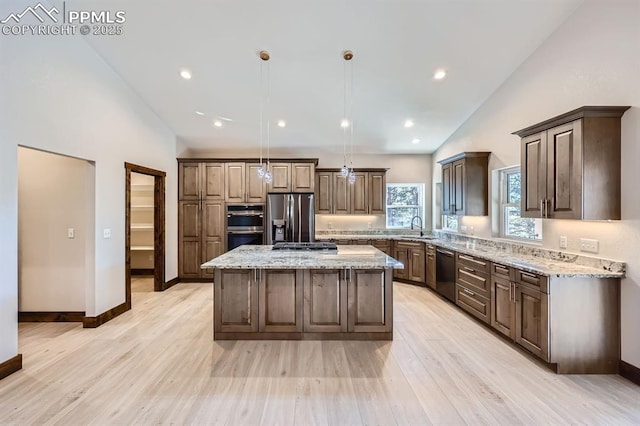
(268,118)
(261,107)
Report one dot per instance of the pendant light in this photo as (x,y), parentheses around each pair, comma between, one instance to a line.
(264,56)
(348,90)
(345,123)
(268,177)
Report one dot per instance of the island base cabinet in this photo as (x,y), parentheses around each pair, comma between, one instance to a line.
(280,295)
(325,301)
(370,300)
(235,301)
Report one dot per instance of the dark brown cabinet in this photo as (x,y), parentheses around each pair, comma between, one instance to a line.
(383,245)
(571,165)
(413,257)
(473,290)
(532,320)
(465,184)
(431,266)
(335,195)
(503,305)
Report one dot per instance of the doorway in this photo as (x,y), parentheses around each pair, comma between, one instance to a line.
(144,225)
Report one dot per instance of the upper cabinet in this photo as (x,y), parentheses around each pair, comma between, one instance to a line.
(571,165)
(465,184)
(335,195)
(303,177)
(199,180)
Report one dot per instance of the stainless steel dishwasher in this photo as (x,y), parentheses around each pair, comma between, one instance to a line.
(446,273)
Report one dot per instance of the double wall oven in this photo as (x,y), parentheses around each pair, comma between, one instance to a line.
(245,225)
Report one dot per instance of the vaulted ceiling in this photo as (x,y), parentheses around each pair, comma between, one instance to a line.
(398,45)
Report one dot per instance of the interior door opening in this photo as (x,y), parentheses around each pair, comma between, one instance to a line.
(145,229)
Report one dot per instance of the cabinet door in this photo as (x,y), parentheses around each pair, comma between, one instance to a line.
(431,271)
(190,239)
(213,181)
(359,191)
(503,312)
(325,301)
(447,200)
(402,256)
(303,177)
(235,301)
(341,199)
(280,296)
(367,311)
(212,232)
(324,193)
(459,185)
(533,174)
(189,181)
(235,176)
(564,171)
(256,188)
(532,321)
(377,193)
(281,178)
(417,265)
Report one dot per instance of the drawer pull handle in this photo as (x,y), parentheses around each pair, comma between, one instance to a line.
(533,277)
(471,259)
(468,269)
(470,293)
(501,269)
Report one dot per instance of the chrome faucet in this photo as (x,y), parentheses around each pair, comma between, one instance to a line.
(412,219)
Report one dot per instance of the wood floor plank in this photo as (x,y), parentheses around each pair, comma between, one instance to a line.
(158,364)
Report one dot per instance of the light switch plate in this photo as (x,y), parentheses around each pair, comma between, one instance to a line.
(563,242)
(107,233)
(588,245)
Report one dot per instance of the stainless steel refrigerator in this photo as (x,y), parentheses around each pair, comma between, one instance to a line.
(290,217)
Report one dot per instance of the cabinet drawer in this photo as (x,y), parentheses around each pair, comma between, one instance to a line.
(501,271)
(474,303)
(530,279)
(431,250)
(409,245)
(475,263)
(475,281)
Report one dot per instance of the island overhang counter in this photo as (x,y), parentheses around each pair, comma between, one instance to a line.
(262,294)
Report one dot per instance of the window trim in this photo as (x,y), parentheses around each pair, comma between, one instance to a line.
(420,206)
(502,206)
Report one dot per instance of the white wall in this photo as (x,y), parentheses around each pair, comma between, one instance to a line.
(58,95)
(592,59)
(53,197)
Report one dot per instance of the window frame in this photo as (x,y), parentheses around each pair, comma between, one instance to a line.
(503,205)
(420,206)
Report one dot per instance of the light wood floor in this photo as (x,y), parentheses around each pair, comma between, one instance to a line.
(159,364)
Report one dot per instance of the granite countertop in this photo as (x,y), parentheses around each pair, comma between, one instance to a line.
(262,257)
(566,268)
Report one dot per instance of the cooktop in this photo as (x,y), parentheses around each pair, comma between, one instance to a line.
(304,246)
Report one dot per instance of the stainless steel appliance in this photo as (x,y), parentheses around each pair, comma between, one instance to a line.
(446,274)
(290,217)
(304,246)
(245,225)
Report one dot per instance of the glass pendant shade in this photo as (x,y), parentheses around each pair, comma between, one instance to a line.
(352,177)
(344,171)
(268,177)
(261,171)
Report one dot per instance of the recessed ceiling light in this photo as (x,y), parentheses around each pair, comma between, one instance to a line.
(439,74)
(282,123)
(185,73)
(408,123)
(199,112)
(217,123)
(415,141)
(344,123)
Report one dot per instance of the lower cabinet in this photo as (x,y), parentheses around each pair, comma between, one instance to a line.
(473,289)
(532,320)
(503,306)
(413,257)
(383,245)
(431,266)
(287,303)
(325,300)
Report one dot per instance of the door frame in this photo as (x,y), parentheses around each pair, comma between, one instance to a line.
(159,230)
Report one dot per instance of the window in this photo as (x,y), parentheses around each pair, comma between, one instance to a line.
(404,201)
(450,223)
(511,224)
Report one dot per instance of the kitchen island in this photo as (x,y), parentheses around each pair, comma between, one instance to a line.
(264,294)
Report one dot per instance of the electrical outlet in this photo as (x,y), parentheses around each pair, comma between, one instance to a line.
(463,229)
(369,225)
(107,233)
(590,246)
(71,233)
(330,225)
(563,242)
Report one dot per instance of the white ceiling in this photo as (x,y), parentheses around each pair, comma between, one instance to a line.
(397,44)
